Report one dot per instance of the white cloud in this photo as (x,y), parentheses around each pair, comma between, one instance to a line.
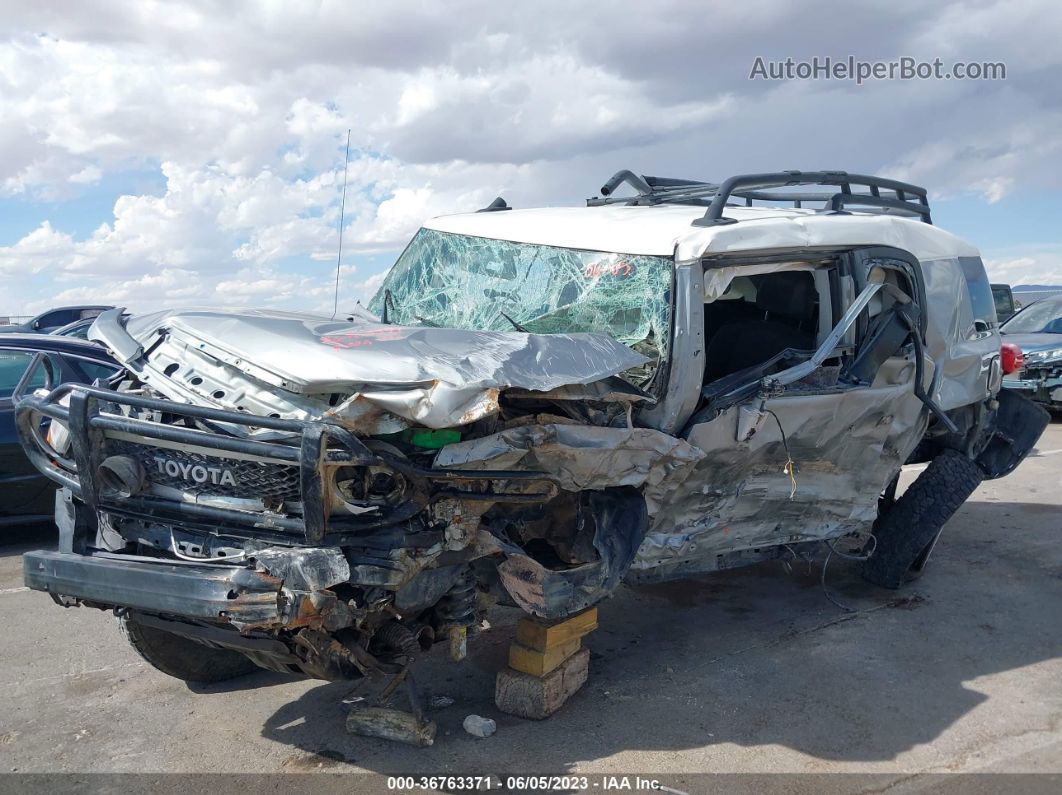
(89,175)
(1033,266)
(37,250)
(244,110)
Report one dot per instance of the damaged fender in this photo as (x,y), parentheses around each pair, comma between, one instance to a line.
(581,457)
(622,475)
(620,522)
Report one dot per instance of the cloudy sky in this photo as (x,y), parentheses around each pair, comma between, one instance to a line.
(170,153)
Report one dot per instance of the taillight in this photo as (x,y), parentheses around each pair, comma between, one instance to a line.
(1011,358)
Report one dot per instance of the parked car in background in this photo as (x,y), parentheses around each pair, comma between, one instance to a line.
(1037,330)
(37,360)
(54,319)
(79,328)
(1004,298)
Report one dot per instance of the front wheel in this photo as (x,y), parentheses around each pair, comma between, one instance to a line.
(908,529)
(183,658)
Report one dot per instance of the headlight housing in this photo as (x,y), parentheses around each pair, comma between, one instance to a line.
(1038,357)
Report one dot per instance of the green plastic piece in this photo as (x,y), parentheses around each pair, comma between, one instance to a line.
(422,437)
(428,438)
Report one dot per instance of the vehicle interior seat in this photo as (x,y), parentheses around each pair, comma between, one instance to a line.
(787,304)
(736,304)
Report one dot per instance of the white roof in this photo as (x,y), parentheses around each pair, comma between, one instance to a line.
(666,230)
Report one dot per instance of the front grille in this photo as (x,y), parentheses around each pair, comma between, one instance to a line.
(197,473)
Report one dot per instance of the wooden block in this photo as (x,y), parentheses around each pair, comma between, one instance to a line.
(543,637)
(535,697)
(540,663)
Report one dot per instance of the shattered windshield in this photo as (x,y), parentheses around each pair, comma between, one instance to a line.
(460,281)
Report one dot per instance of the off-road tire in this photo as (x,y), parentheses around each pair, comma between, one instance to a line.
(915,520)
(183,658)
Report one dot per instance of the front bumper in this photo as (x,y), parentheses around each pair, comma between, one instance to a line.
(212,593)
(1044,388)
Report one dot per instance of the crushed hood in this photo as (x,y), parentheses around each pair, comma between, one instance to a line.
(295,364)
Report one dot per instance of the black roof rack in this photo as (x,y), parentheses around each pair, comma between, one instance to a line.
(905,198)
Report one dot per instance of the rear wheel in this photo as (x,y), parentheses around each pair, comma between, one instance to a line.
(183,658)
(908,528)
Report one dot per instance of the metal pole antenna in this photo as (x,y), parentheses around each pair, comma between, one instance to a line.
(342,213)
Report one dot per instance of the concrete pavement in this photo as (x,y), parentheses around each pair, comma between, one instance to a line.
(746,671)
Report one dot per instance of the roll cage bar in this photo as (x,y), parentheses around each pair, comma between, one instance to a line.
(905,198)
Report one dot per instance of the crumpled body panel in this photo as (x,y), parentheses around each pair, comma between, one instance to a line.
(846,448)
(295,364)
(582,457)
(619,521)
(710,494)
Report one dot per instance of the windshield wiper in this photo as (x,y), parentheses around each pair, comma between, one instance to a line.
(515,325)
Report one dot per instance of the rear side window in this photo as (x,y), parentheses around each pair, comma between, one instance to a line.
(1004,300)
(58,318)
(12,365)
(981,298)
(93,371)
(80,331)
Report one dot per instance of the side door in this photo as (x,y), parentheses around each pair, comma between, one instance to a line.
(802,453)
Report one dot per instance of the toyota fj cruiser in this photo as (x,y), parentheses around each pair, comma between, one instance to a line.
(538,404)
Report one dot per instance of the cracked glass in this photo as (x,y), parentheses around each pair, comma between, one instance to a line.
(476,283)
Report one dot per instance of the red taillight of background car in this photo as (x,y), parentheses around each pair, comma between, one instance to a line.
(1011,357)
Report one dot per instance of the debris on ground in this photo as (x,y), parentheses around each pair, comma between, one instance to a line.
(391,724)
(479,726)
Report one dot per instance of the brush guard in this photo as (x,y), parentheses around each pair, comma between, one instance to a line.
(98,431)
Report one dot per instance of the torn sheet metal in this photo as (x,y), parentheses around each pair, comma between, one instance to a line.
(739,495)
(304,568)
(297,365)
(620,521)
(584,457)
(611,390)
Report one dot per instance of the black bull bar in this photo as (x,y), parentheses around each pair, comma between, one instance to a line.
(313,446)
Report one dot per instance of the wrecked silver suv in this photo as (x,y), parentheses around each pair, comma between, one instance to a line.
(538,405)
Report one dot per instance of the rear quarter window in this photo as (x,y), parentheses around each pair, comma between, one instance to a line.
(982,301)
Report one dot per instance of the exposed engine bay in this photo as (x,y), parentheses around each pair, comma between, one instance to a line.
(309,508)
